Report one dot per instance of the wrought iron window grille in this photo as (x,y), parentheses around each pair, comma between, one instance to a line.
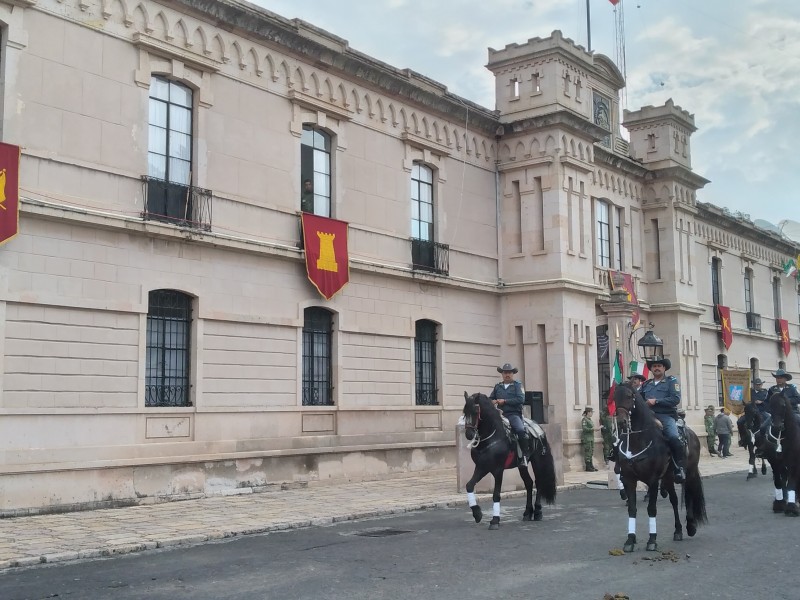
(176,203)
(430,256)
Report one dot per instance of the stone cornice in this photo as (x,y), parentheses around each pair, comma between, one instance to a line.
(741,227)
(680,307)
(625,164)
(563,119)
(328,51)
(680,174)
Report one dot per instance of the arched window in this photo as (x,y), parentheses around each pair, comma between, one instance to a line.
(317,362)
(315,171)
(426,390)
(169,321)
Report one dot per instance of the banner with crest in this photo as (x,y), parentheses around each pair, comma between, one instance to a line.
(736,389)
(327,263)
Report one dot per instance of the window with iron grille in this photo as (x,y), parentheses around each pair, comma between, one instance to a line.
(169,150)
(315,171)
(421,202)
(317,364)
(603,234)
(169,320)
(425,363)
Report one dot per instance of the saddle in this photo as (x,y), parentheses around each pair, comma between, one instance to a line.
(532,428)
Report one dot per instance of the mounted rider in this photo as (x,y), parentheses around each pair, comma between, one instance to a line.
(663,395)
(509,396)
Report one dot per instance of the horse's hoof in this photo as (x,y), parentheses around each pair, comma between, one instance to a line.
(494,523)
(537,516)
(691,528)
(477,513)
(763,469)
(751,476)
(677,536)
(792,510)
(778,506)
(527,516)
(652,547)
(628,547)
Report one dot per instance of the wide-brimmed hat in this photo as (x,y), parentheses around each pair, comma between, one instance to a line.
(710,407)
(782,373)
(660,361)
(588,409)
(507,367)
(638,376)
(758,381)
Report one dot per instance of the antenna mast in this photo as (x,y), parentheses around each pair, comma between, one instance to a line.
(619,38)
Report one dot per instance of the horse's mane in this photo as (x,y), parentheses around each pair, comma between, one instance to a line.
(789,422)
(642,417)
(488,410)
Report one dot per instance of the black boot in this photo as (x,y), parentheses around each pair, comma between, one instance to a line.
(525,446)
(590,467)
(679,457)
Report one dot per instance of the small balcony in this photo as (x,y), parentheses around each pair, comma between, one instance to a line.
(183,205)
(753,321)
(430,256)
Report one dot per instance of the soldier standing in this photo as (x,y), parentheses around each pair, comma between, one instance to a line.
(587,438)
(711,436)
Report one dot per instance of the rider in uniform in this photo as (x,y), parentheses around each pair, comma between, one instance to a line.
(782,379)
(509,396)
(663,395)
(758,396)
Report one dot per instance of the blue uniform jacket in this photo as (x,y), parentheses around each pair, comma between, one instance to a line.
(667,393)
(759,397)
(789,392)
(514,397)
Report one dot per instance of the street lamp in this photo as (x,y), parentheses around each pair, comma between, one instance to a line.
(651,347)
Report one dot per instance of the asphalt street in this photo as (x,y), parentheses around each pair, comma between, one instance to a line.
(745,551)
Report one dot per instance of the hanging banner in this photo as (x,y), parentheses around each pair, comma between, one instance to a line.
(9,192)
(736,389)
(327,263)
(783,325)
(627,285)
(724,313)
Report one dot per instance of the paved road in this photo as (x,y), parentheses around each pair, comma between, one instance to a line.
(744,552)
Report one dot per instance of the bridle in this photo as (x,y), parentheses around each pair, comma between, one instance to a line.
(469,425)
(624,435)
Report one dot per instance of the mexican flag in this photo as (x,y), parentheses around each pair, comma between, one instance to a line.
(640,368)
(616,379)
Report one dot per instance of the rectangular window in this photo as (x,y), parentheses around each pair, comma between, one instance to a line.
(618,262)
(716,297)
(317,357)
(748,291)
(315,171)
(776,296)
(656,248)
(169,319)
(603,234)
(425,363)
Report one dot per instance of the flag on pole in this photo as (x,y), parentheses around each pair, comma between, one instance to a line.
(639,368)
(790,267)
(783,325)
(616,379)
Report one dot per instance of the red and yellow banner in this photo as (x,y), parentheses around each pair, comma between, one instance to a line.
(784,333)
(9,192)
(627,285)
(327,263)
(724,313)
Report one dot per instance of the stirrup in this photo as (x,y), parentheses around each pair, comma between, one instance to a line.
(680,475)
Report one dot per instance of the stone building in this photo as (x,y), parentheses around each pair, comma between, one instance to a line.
(160,337)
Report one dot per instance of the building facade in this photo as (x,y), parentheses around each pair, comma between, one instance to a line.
(160,337)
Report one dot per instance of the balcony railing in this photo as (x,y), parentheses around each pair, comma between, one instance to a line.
(184,205)
(430,256)
(753,321)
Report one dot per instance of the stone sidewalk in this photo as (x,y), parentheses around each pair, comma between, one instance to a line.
(33,540)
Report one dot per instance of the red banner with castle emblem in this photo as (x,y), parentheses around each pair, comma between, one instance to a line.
(784,327)
(724,313)
(327,263)
(9,192)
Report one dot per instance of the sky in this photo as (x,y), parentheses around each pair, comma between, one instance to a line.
(733,64)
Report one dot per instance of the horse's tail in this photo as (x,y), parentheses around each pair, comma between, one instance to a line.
(693,497)
(544,470)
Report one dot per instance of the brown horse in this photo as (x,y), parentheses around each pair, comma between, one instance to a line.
(644,456)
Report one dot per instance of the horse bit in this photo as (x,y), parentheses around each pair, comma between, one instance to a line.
(476,438)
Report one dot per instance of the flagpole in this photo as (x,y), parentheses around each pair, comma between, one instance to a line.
(588,28)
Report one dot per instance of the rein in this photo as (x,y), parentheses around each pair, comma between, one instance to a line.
(777,440)
(476,438)
(626,442)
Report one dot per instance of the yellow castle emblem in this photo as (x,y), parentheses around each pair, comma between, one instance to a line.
(327,255)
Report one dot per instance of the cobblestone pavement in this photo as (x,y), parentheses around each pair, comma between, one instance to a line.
(32,540)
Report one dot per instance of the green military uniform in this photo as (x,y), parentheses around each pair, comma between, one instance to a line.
(606,431)
(711,436)
(587,438)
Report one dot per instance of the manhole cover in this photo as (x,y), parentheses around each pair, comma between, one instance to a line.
(386,532)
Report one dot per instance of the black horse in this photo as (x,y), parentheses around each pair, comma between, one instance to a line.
(493,452)
(644,456)
(748,428)
(769,447)
(784,432)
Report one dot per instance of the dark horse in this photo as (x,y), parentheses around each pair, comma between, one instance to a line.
(493,452)
(748,428)
(644,456)
(784,432)
(768,446)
